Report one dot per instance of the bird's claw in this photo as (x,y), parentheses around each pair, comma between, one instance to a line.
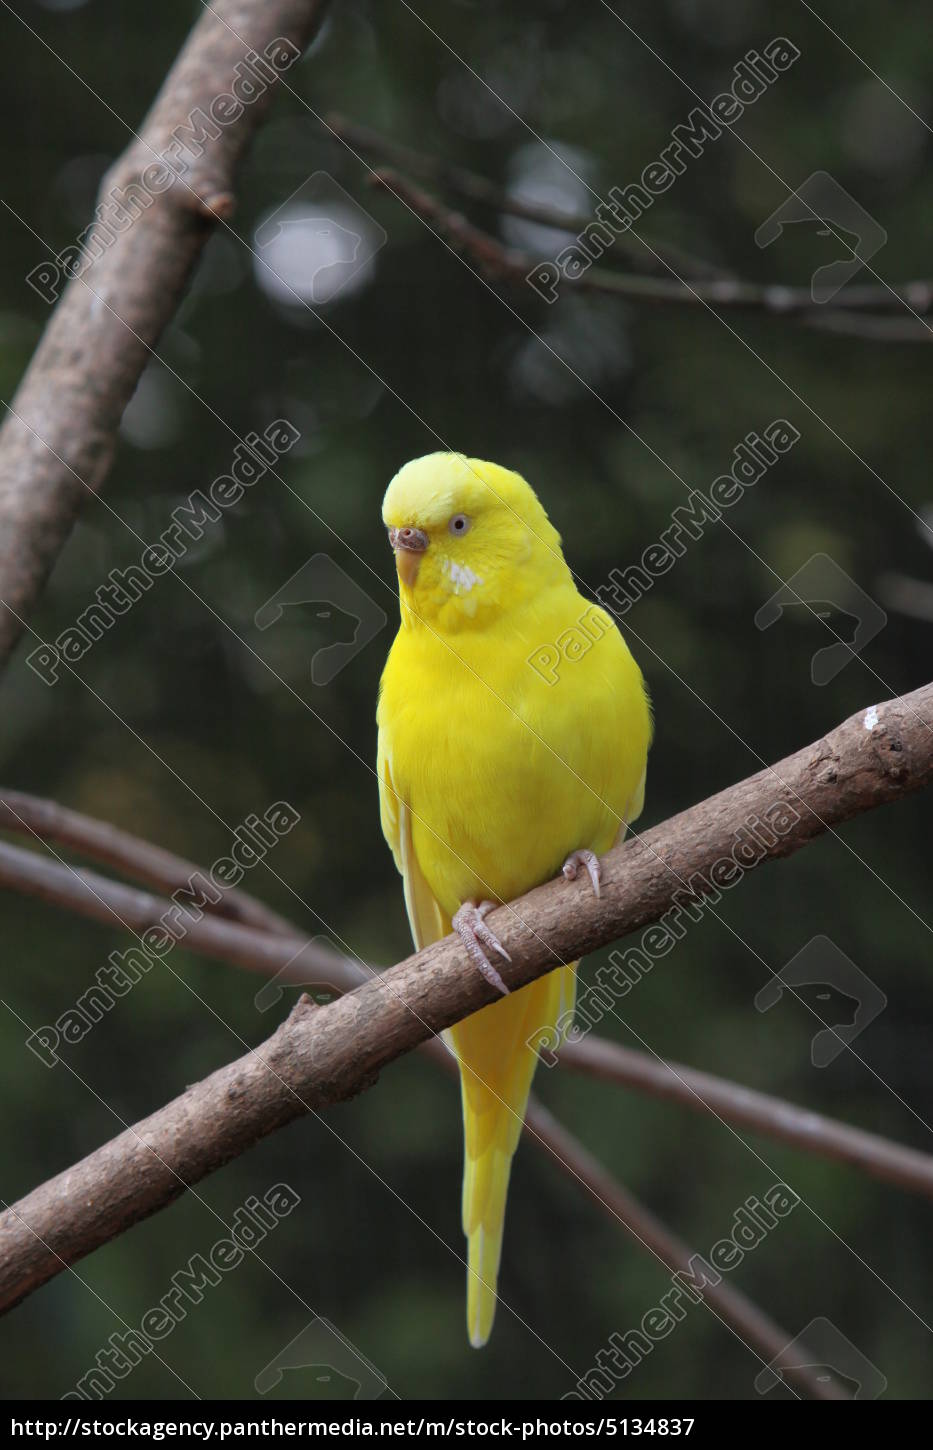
(474,933)
(590,860)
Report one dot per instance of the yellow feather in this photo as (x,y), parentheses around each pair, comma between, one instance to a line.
(513,729)
(496,1068)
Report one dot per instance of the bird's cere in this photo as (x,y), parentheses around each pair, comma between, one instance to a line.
(408,545)
(412,539)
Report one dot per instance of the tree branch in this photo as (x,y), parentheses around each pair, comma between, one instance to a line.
(364,141)
(291,961)
(703,1092)
(322,1055)
(47,821)
(62,424)
(754,1328)
(623,1210)
(97,897)
(282,951)
(849,311)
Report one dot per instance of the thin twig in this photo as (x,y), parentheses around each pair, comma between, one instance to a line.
(89,894)
(623,1209)
(288,961)
(701,1091)
(473,187)
(756,1329)
(849,310)
(46,820)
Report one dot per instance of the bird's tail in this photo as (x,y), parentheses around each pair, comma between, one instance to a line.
(496,1068)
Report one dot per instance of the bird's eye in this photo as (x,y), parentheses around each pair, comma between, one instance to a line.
(459,524)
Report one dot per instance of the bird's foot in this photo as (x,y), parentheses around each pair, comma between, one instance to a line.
(474,933)
(590,860)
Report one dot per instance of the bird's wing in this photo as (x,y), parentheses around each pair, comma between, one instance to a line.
(427,921)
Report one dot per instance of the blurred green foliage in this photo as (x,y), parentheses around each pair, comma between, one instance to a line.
(180,723)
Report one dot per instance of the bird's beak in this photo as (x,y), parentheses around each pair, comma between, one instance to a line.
(409,544)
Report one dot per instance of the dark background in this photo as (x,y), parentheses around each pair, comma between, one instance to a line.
(180,723)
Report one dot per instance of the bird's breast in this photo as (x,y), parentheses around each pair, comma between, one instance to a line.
(504,773)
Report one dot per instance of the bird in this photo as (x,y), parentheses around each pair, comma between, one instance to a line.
(513,734)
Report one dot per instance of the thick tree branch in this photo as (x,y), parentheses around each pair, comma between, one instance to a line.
(850,311)
(286,955)
(322,1055)
(62,424)
(291,960)
(294,960)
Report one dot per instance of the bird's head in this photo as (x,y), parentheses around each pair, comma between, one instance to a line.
(470,539)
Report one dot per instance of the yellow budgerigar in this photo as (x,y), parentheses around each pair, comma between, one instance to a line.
(513,733)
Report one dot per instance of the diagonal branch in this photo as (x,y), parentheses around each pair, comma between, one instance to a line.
(849,314)
(617,1204)
(62,424)
(282,952)
(323,1055)
(755,1328)
(290,960)
(61,429)
(470,186)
